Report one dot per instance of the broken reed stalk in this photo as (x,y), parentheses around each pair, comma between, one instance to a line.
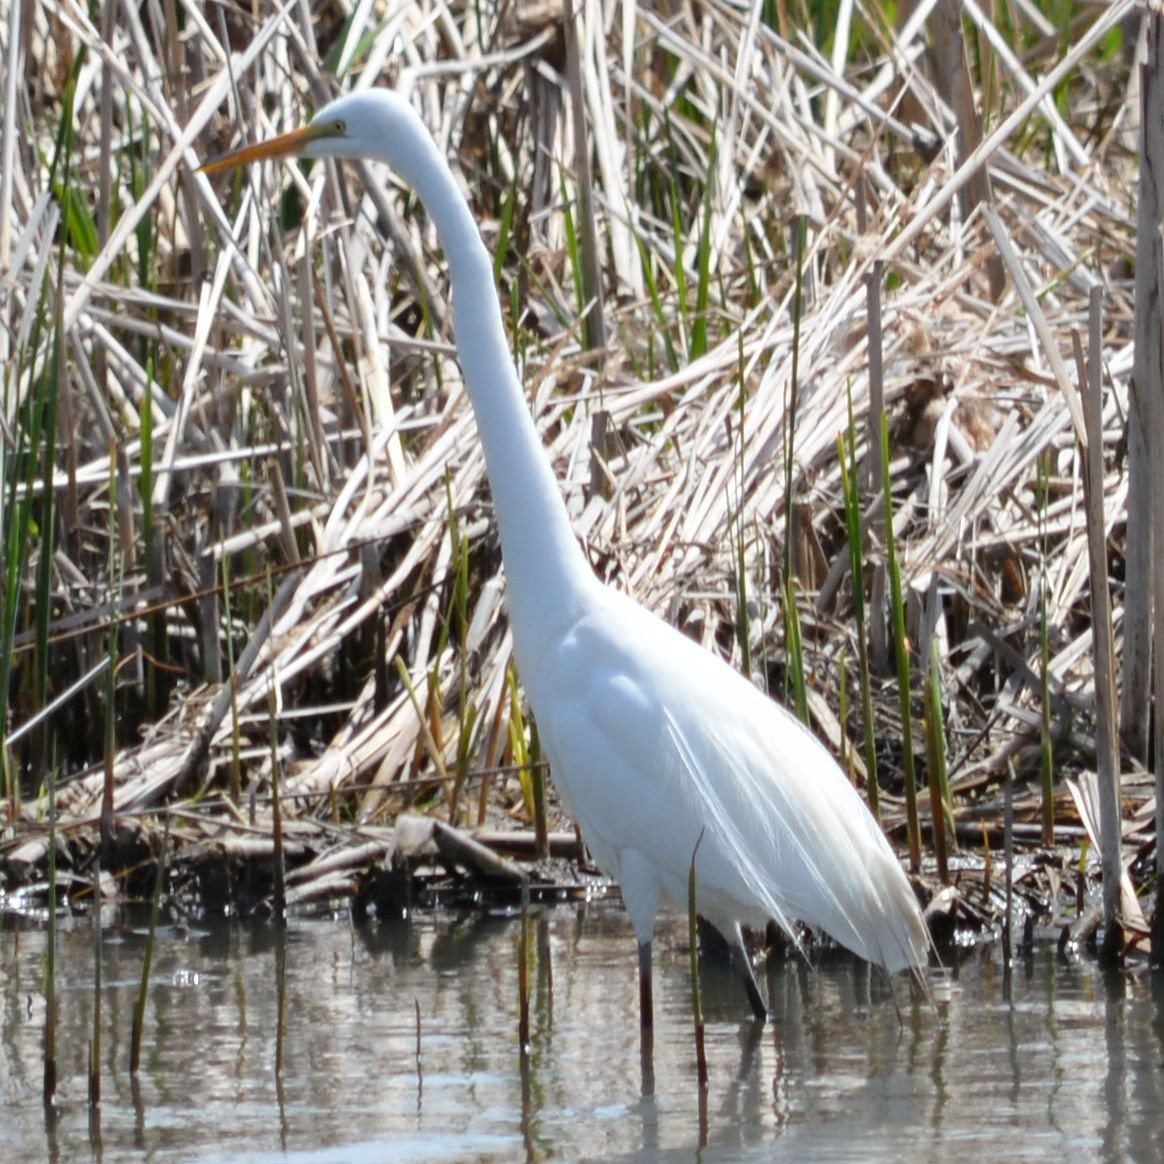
(1103,648)
(799,228)
(878,645)
(147,960)
(696,993)
(588,268)
(594,325)
(1148,387)
(1145,515)
(901,656)
(1046,742)
(234,768)
(736,525)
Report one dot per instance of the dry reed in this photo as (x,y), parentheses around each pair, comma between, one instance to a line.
(257,391)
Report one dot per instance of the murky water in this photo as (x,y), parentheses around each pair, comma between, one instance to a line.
(1069,1066)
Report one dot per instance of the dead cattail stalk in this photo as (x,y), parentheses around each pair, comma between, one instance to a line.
(1148,401)
(1106,748)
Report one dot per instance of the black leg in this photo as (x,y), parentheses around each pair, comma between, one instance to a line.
(646,999)
(744,964)
(647,1020)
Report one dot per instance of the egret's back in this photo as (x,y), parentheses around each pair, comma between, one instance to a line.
(655,742)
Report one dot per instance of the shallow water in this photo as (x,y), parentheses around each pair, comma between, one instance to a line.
(1069,1065)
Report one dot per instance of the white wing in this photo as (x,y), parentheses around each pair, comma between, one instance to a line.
(654,742)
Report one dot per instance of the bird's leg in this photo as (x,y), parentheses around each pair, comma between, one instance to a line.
(646,999)
(647,1020)
(744,961)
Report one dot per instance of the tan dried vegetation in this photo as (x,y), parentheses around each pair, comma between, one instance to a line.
(257,536)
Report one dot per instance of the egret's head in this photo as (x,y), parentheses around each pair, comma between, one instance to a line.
(358,125)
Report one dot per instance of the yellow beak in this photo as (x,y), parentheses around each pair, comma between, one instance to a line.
(276,147)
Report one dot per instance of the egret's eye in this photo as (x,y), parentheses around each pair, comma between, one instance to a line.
(340,128)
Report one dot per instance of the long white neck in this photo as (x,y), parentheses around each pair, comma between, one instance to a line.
(546,572)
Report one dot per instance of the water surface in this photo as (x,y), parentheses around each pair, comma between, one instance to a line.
(1062,1061)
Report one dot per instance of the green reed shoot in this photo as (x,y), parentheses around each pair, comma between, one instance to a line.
(538,774)
(661,316)
(796,689)
(699,329)
(846,756)
(852,494)
(901,653)
(456,624)
(45,402)
(530,771)
(679,240)
(574,259)
(936,773)
(504,231)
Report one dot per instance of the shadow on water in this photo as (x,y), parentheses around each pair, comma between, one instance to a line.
(401,1043)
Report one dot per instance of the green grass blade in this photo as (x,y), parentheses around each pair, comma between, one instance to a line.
(901,653)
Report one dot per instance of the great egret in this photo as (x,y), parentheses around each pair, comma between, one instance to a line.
(653,741)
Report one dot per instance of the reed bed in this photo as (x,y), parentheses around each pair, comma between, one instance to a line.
(247,535)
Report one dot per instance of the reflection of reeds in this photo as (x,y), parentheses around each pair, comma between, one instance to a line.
(148,957)
(49,1089)
(287,407)
(95,1037)
(1046,744)
(523,957)
(696,994)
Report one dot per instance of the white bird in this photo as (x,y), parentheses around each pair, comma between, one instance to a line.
(653,741)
